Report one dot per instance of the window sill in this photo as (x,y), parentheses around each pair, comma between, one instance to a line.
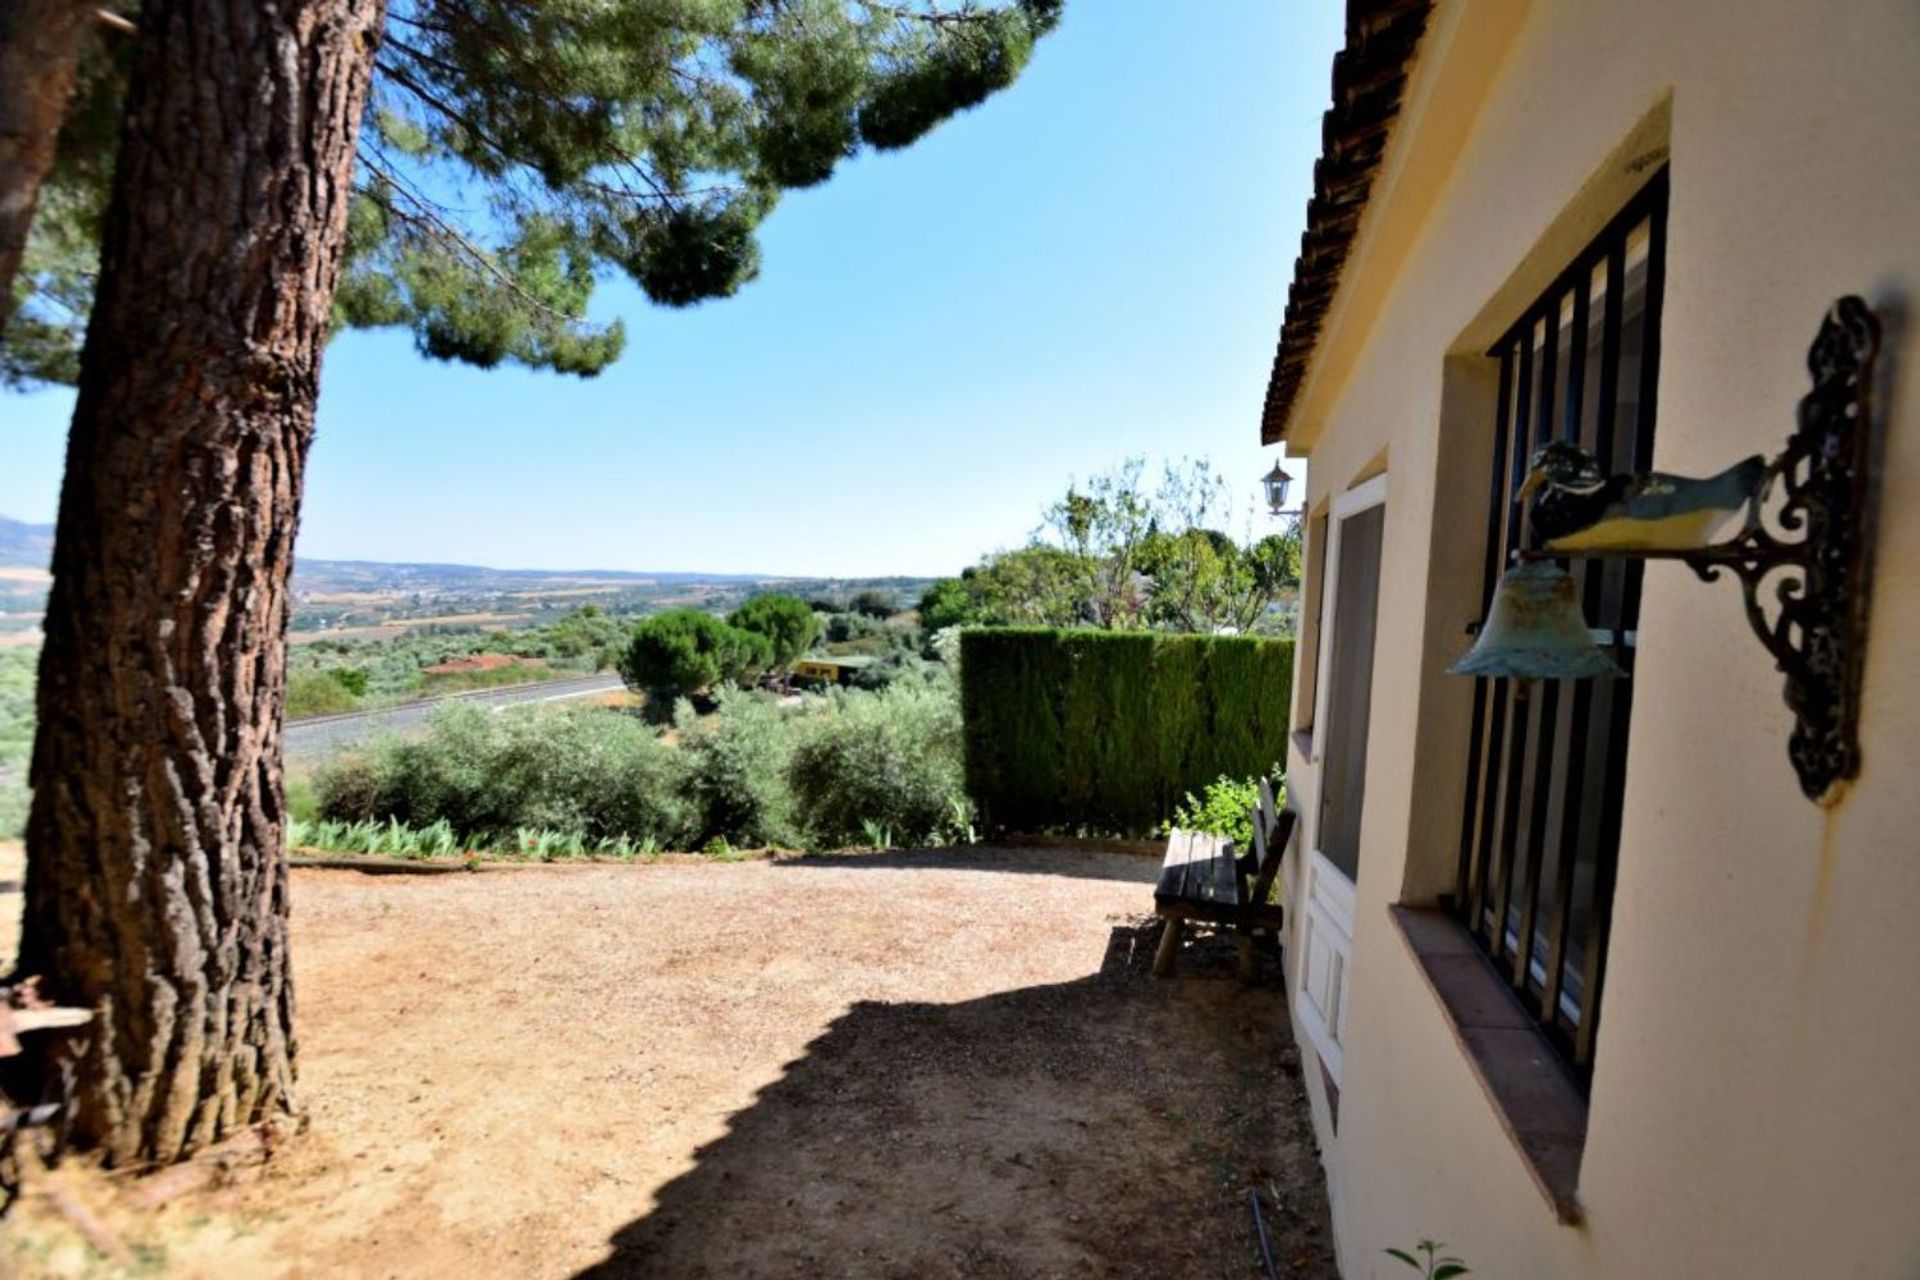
(1538,1105)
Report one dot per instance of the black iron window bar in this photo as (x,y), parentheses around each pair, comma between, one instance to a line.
(1814,619)
(1546,765)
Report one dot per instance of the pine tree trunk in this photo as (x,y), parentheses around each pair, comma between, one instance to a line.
(156,884)
(39,57)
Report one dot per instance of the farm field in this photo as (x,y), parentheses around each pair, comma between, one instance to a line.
(376,600)
(651,1071)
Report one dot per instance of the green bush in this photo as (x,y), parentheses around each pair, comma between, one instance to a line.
(843,628)
(1107,731)
(576,770)
(736,762)
(17,669)
(756,772)
(875,604)
(887,762)
(1224,808)
(319,693)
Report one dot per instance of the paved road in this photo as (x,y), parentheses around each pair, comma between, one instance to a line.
(308,739)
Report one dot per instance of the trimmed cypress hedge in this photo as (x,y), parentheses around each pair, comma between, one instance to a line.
(1109,730)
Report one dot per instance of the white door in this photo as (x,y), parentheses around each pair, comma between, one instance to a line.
(1344,697)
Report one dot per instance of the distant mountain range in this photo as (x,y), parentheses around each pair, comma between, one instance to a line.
(31,546)
(26,545)
(373,597)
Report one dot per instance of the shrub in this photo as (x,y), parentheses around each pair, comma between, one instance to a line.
(736,763)
(875,604)
(319,693)
(842,628)
(754,773)
(1224,808)
(787,623)
(1108,730)
(882,762)
(577,770)
(17,667)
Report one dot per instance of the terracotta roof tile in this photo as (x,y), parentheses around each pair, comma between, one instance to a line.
(1369,79)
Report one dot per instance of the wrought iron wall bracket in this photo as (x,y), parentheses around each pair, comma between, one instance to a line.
(1801,555)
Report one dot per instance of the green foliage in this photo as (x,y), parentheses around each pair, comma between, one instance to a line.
(303,804)
(1095,730)
(788,624)
(1037,585)
(889,762)
(1114,553)
(390,670)
(736,765)
(1102,528)
(947,603)
(587,637)
(752,774)
(1224,808)
(844,628)
(394,839)
(875,604)
(513,155)
(688,651)
(17,671)
(578,770)
(318,693)
(1428,1265)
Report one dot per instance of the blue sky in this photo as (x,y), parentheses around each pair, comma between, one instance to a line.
(1091,265)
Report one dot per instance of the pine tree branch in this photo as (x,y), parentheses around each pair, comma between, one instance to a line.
(427,217)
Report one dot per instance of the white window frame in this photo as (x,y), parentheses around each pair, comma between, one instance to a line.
(1328,896)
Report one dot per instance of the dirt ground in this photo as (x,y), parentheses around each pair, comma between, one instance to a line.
(946,1063)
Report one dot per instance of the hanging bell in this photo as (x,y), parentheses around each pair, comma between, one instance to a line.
(1534,631)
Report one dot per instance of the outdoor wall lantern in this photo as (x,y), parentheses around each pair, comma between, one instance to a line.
(1802,528)
(1276,482)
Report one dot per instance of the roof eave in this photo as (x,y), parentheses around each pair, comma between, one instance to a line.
(1369,84)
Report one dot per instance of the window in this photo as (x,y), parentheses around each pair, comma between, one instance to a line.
(1308,628)
(1547,759)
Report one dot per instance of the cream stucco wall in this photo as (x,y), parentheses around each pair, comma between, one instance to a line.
(1756,1096)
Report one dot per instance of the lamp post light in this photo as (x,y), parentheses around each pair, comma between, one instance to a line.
(1277,482)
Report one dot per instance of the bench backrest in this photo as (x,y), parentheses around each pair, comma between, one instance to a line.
(1272,829)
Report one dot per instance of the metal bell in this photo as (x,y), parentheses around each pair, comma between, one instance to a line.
(1534,631)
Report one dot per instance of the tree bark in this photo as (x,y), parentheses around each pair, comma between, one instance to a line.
(39,56)
(156,883)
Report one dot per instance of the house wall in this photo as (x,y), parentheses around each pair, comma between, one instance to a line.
(1754,1107)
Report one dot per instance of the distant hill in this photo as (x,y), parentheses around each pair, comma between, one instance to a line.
(382,575)
(370,597)
(28,545)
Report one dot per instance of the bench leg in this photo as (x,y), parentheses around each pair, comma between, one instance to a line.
(1169,947)
(1249,959)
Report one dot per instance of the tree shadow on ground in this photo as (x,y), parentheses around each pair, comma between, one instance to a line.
(1079,863)
(1110,1126)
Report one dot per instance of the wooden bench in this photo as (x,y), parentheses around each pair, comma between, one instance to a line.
(1205,880)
